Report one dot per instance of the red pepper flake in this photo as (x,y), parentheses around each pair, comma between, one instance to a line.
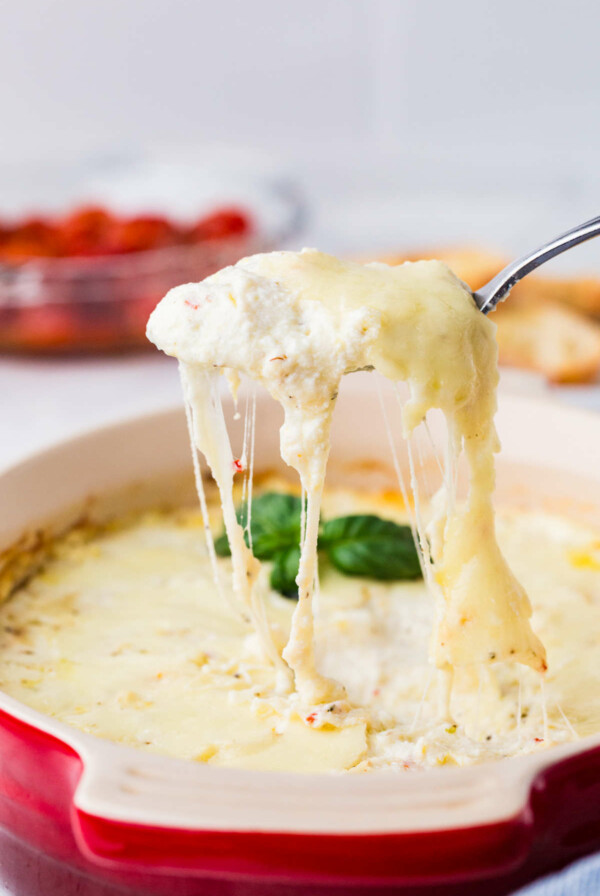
(376,692)
(539,740)
(238,466)
(279,358)
(312,718)
(191,305)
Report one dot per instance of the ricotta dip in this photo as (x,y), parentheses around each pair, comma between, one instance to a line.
(296,322)
(123,634)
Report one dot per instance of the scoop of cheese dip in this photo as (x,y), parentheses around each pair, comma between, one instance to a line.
(296,322)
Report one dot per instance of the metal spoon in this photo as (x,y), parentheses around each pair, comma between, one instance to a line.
(499,286)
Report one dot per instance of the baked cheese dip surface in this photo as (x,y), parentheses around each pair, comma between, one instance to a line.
(135,633)
(122,634)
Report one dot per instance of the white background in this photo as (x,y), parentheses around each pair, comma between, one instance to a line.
(463,76)
(406,122)
(407,96)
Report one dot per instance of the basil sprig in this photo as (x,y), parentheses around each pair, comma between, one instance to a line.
(357,545)
(274,524)
(284,572)
(366,545)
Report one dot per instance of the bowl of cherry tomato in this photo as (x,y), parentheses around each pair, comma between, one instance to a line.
(87,276)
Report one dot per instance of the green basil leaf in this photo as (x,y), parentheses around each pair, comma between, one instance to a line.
(222,548)
(366,545)
(274,524)
(284,572)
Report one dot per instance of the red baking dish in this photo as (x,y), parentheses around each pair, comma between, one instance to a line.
(79,814)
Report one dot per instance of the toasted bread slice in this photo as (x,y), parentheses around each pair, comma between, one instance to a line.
(550,338)
(581,293)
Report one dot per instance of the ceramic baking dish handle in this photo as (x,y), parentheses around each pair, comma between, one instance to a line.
(514,819)
(131,810)
(197,819)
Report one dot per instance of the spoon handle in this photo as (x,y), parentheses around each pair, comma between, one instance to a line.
(499,286)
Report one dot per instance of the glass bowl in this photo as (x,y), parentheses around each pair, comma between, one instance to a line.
(102,302)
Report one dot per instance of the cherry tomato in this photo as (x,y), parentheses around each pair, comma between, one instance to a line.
(35,238)
(143,233)
(220,224)
(88,231)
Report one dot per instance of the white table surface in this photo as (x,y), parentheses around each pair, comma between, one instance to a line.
(46,400)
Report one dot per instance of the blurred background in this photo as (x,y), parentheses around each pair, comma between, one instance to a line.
(201,131)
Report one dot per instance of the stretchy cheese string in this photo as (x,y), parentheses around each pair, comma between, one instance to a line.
(210,545)
(244,455)
(211,437)
(434,452)
(570,728)
(399,474)
(544,708)
(297,322)
(250,477)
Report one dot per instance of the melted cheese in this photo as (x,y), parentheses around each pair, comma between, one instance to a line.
(123,635)
(296,323)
